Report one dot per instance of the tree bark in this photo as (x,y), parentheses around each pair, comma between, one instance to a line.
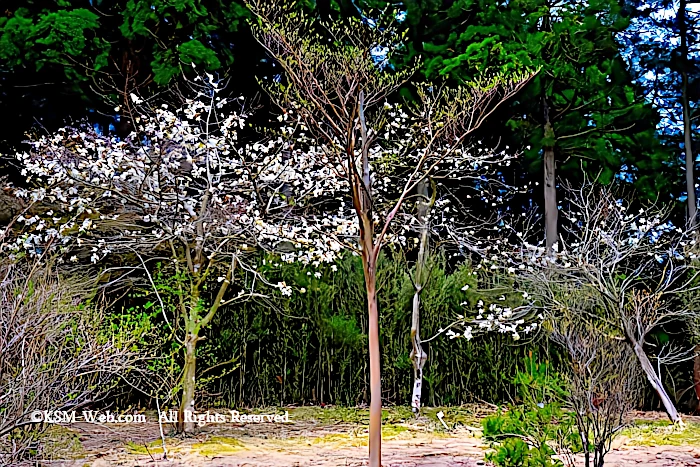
(689,158)
(185,423)
(687,130)
(656,383)
(550,199)
(362,200)
(418,355)
(375,381)
(696,373)
(551,213)
(599,460)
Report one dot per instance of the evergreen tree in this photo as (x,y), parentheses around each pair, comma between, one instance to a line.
(75,57)
(662,49)
(582,111)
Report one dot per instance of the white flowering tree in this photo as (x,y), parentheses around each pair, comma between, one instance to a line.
(182,186)
(443,213)
(625,269)
(335,85)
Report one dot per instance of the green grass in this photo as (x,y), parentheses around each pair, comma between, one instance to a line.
(663,433)
(353,438)
(59,442)
(336,414)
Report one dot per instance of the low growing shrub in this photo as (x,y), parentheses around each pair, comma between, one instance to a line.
(536,431)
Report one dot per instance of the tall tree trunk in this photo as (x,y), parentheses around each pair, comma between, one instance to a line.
(418,355)
(656,383)
(185,423)
(550,186)
(375,381)
(689,159)
(362,200)
(687,131)
(696,373)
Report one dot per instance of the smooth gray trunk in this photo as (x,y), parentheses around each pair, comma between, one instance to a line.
(696,372)
(656,383)
(551,214)
(418,355)
(687,130)
(689,158)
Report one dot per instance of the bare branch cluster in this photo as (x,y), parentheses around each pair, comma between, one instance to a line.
(55,352)
(628,272)
(604,383)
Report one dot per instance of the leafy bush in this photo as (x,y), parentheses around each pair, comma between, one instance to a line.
(537,428)
(310,347)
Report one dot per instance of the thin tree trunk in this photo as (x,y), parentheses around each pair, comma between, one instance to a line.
(687,131)
(583,435)
(696,373)
(599,458)
(362,199)
(194,323)
(418,355)
(550,199)
(656,383)
(375,381)
(550,186)
(689,159)
(185,423)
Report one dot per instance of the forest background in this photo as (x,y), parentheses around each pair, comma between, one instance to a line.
(614,101)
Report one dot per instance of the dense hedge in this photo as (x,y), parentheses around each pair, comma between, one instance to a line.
(311,347)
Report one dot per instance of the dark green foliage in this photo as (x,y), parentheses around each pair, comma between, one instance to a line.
(659,60)
(600,122)
(311,347)
(527,433)
(74,59)
(85,37)
(55,37)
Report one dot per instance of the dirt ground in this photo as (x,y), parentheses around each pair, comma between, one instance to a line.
(309,442)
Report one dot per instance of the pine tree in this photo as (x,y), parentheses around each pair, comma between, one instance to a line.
(581,114)
(662,46)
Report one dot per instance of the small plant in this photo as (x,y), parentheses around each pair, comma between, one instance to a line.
(604,384)
(536,431)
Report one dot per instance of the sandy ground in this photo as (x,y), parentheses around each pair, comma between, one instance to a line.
(307,443)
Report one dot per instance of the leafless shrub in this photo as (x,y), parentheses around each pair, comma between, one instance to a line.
(605,382)
(54,353)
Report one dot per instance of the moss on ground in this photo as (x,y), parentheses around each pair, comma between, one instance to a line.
(353,438)
(465,415)
(59,442)
(154,447)
(663,433)
(218,446)
(335,414)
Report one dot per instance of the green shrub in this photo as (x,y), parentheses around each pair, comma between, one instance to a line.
(532,431)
